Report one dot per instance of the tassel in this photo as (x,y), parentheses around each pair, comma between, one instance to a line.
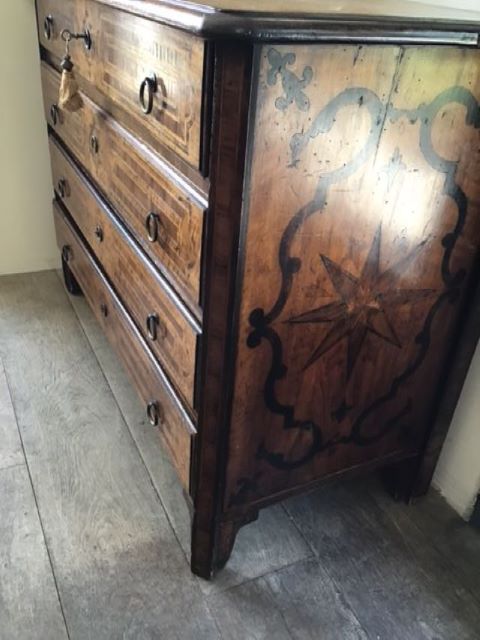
(69,97)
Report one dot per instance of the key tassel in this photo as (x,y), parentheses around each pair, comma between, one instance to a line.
(69,97)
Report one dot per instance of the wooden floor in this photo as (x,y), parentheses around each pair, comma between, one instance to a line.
(94,533)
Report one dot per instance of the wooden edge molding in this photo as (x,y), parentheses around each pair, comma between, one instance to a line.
(261,26)
(462,351)
(210,539)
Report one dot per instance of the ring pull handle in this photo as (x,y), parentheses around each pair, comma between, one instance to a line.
(48,27)
(99,233)
(54,114)
(67,253)
(94,144)
(153,225)
(152,326)
(62,188)
(148,88)
(154,414)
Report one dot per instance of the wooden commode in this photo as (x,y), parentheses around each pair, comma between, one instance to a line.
(274,212)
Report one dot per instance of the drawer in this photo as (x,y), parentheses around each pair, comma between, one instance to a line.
(126,51)
(166,325)
(134,181)
(174,424)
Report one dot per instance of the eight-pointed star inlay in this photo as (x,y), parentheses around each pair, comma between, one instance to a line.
(363,304)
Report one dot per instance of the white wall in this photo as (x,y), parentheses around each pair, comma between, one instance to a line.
(27,238)
(458,471)
(469,5)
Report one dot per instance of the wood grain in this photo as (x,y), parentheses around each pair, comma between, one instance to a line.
(137,283)
(119,570)
(409,573)
(29,601)
(363,223)
(242,613)
(462,353)
(262,547)
(331,275)
(300,601)
(434,520)
(232,91)
(135,182)
(125,50)
(376,565)
(11,452)
(175,427)
(308,21)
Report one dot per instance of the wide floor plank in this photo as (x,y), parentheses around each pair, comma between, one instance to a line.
(435,521)
(118,566)
(249,612)
(311,605)
(29,605)
(11,452)
(399,586)
(301,601)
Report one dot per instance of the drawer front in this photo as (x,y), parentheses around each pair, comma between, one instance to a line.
(174,425)
(127,50)
(133,182)
(164,326)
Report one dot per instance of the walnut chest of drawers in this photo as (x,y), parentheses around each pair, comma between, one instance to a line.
(274,214)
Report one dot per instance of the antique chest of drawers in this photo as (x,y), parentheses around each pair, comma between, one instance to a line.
(274,213)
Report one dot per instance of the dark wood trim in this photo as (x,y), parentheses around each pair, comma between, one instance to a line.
(462,350)
(228,530)
(257,26)
(206,116)
(359,470)
(233,68)
(411,479)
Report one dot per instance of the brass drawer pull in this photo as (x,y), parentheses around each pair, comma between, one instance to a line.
(62,188)
(54,114)
(154,413)
(152,326)
(48,27)
(99,233)
(149,87)
(152,224)
(94,144)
